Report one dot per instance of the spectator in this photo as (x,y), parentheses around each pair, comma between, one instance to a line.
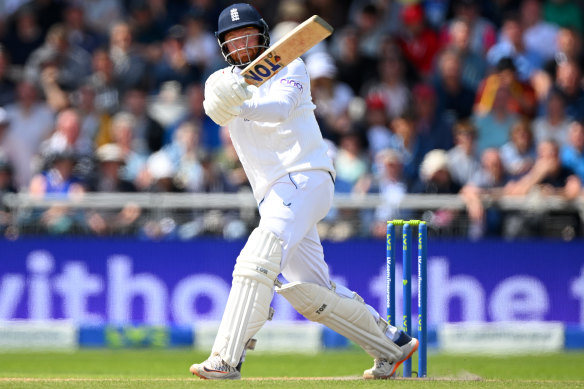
(572,154)
(79,34)
(568,80)
(174,65)
(25,37)
(539,36)
(123,125)
(111,160)
(148,132)
(65,137)
(200,45)
(210,133)
(353,66)
(370,29)
(483,34)
(71,62)
(495,126)
(229,164)
(548,175)
(418,42)
(93,122)
(435,175)
(521,100)
(463,162)
(518,155)
(379,136)
(490,179)
(59,177)
(454,98)
(392,190)
(11,155)
(31,122)
(186,156)
(130,69)
(432,130)
(105,85)
(554,123)
(391,85)
(511,45)
(473,66)
(330,96)
(351,164)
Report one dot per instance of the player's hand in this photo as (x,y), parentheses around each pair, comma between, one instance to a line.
(227,87)
(219,111)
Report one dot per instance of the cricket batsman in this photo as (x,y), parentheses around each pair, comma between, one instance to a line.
(278,141)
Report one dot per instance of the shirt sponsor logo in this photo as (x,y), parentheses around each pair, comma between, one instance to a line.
(294,83)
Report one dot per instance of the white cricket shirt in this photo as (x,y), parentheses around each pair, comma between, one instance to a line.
(277,133)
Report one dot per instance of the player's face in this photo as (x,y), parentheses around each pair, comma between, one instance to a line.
(243,44)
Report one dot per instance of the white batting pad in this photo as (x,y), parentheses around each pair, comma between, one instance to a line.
(248,305)
(347,316)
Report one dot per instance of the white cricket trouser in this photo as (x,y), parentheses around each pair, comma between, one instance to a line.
(291,209)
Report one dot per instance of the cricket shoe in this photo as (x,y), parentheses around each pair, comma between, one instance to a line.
(214,368)
(384,369)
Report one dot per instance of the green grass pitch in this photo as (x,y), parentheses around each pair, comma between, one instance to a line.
(162,369)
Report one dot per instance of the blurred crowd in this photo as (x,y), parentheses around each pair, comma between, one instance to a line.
(460,97)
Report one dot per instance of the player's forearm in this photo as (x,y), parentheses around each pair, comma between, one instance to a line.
(268,109)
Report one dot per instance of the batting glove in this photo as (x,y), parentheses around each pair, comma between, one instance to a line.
(220,112)
(228,87)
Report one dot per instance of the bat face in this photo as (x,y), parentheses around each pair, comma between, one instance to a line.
(265,69)
(286,50)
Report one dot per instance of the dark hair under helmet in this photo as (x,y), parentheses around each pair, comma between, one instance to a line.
(237,16)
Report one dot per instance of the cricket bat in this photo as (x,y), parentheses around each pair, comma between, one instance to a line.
(287,49)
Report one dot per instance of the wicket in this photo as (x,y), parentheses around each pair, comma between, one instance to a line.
(407,226)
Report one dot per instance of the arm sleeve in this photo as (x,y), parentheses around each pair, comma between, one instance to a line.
(284,95)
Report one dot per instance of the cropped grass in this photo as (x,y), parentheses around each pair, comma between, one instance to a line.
(162,369)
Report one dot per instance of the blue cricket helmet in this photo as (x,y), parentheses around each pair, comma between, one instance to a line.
(238,16)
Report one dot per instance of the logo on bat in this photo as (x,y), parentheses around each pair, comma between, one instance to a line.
(267,66)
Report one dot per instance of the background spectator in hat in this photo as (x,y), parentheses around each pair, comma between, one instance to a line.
(418,42)
(187,157)
(113,221)
(432,129)
(519,153)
